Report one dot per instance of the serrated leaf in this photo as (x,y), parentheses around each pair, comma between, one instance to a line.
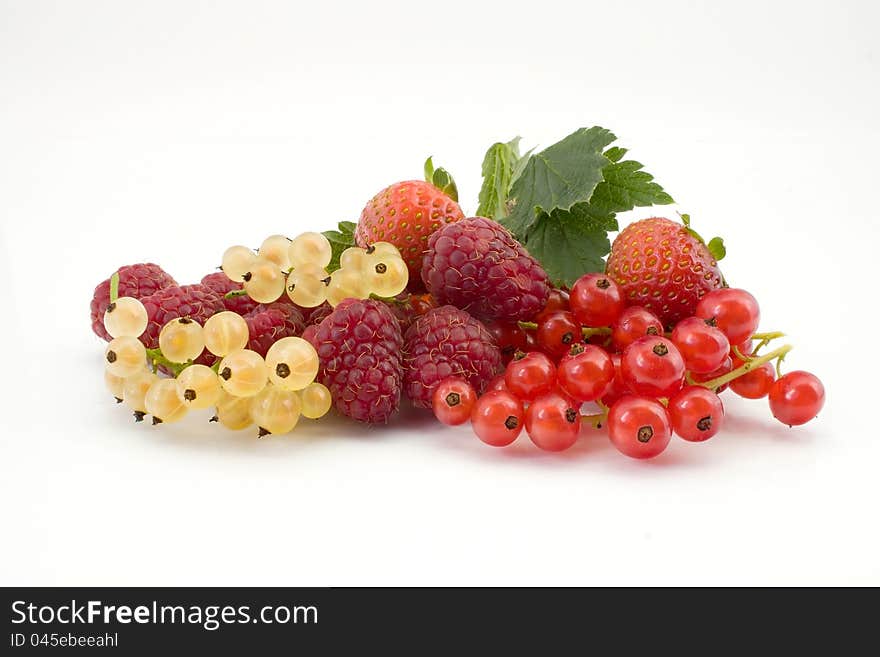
(499,169)
(716,248)
(340,240)
(558,177)
(615,153)
(627,186)
(569,244)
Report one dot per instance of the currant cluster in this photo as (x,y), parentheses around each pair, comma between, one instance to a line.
(589,348)
(299,267)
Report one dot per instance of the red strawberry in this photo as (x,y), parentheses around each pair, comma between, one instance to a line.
(661,265)
(405,214)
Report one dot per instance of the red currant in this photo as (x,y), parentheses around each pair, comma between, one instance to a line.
(552,422)
(557,332)
(496,383)
(585,373)
(596,300)
(652,367)
(696,413)
(796,397)
(635,322)
(497,418)
(617,388)
(735,313)
(639,427)
(558,300)
(530,375)
(726,368)
(755,383)
(453,401)
(702,346)
(509,336)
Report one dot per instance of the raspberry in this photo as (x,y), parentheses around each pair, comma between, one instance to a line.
(447,342)
(658,264)
(359,346)
(222,285)
(194,301)
(270,322)
(136,281)
(314,316)
(477,265)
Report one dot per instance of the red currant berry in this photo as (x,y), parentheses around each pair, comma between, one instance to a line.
(552,422)
(635,322)
(453,401)
(509,336)
(617,388)
(702,346)
(557,332)
(745,348)
(497,383)
(558,300)
(585,373)
(652,367)
(726,368)
(596,300)
(497,418)
(796,397)
(696,413)
(755,383)
(531,341)
(530,375)
(639,427)
(735,313)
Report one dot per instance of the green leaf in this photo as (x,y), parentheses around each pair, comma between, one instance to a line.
(558,177)
(499,168)
(615,153)
(340,240)
(441,179)
(570,244)
(716,248)
(625,186)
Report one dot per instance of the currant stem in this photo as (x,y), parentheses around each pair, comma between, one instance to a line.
(235,293)
(595,419)
(746,367)
(156,358)
(114,287)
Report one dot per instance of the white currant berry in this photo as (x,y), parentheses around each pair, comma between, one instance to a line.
(307,286)
(386,274)
(354,257)
(275,410)
(198,387)
(237,261)
(234,412)
(163,402)
(115,384)
(310,249)
(346,284)
(264,282)
(125,356)
(182,340)
(225,332)
(125,317)
(316,401)
(135,390)
(292,363)
(277,249)
(383,248)
(243,373)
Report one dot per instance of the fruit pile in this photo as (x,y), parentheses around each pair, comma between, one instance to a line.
(510,319)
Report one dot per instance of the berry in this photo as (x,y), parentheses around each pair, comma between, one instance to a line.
(115,384)
(243,373)
(359,346)
(509,336)
(310,249)
(639,427)
(163,403)
(182,340)
(734,312)
(264,281)
(755,383)
(198,387)
(652,367)
(633,323)
(197,302)
(660,265)
(557,332)
(447,342)
(696,413)
(702,346)
(385,275)
(725,368)
(277,249)
(234,412)
(124,357)
(596,300)
(405,214)
(552,422)
(237,261)
(137,281)
(225,332)
(220,283)
(453,401)
(125,317)
(306,286)
(292,363)
(134,392)
(477,265)
(269,323)
(317,315)
(275,410)
(585,374)
(497,418)
(558,300)
(316,401)
(530,375)
(346,284)
(497,383)
(796,397)
(617,388)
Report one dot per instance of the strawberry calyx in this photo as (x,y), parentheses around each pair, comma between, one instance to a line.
(441,179)
(715,245)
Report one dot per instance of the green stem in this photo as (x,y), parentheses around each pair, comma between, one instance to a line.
(235,293)
(600,330)
(746,367)
(772,335)
(528,326)
(114,287)
(157,358)
(595,419)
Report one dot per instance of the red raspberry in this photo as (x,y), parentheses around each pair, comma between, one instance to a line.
(268,323)
(136,281)
(477,265)
(658,264)
(222,285)
(447,342)
(316,315)
(194,301)
(359,345)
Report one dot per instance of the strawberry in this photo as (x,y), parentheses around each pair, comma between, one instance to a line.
(663,266)
(405,214)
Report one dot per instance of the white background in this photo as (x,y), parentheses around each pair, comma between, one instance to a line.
(166,131)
